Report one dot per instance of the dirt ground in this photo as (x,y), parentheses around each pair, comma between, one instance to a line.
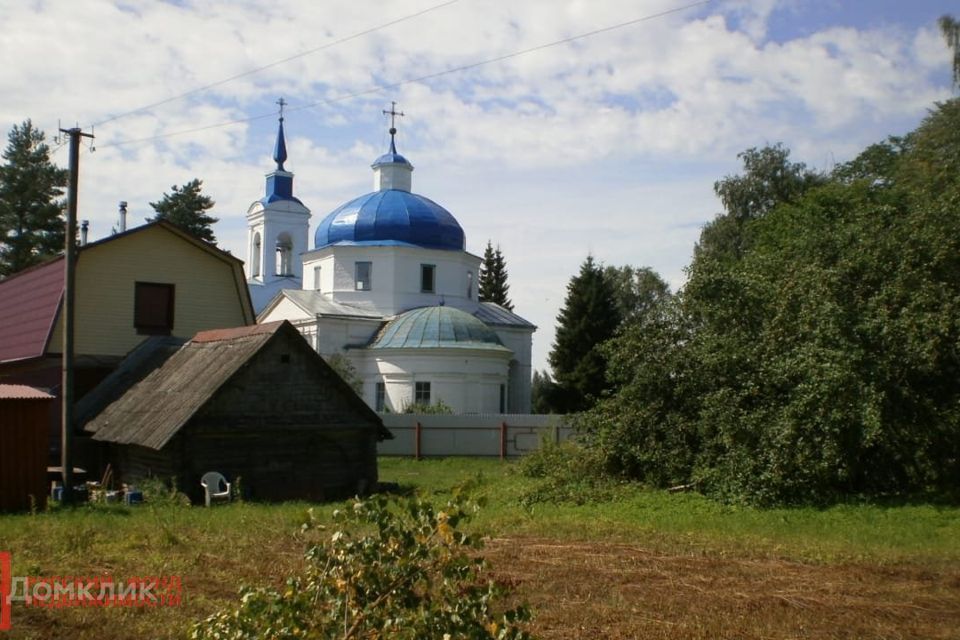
(591,590)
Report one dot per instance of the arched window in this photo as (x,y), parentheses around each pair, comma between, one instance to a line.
(255,256)
(284,255)
(469,285)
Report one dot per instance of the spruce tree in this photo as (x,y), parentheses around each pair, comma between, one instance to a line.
(589,318)
(31,211)
(186,207)
(493,278)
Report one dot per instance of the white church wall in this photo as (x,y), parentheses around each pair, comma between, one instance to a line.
(395,279)
(467,380)
(519,341)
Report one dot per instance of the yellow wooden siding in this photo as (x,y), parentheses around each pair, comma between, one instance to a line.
(206,290)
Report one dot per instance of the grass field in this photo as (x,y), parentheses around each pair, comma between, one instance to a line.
(646,564)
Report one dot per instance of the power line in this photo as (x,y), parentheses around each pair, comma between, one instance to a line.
(429,76)
(272,64)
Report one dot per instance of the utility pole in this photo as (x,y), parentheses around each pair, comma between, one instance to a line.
(70,266)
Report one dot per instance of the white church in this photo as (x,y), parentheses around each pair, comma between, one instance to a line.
(389,285)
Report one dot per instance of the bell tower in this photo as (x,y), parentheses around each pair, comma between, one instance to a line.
(277,225)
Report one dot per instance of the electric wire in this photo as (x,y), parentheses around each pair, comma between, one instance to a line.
(422,78)
(276,63)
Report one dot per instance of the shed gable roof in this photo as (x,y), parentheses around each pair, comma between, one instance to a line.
(154,409)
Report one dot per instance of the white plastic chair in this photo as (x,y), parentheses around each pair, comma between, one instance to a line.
(215,487)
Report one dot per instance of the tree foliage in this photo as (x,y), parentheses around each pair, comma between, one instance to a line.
(821,361)
(637,291)
(589,318)
(543,393)
(950,28)
(345,369)
(186,207)
(493,278)
(769,179)
(31,211)
(403,571)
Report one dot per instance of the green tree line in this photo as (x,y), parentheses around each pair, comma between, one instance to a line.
(814,352)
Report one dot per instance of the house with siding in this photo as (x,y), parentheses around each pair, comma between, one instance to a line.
(255,403)
(150,280)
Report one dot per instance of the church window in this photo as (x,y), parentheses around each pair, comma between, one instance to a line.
(469,285)
(427,273)
(153,308)
(284,255)
(381,399)
(422,393)
(255,270)
(503,398)
(316,278)
(363,274)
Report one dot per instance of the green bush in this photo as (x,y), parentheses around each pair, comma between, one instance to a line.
(568,473)
(397,568)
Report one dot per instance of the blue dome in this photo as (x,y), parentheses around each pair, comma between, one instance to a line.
(437,328)
(391,157)
(391,217)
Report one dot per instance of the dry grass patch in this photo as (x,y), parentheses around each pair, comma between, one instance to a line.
(597,590)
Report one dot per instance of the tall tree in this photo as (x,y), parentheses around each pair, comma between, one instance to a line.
(637,291)
(769,179)
(186,207)
(588,319)
(31,212)
(493,278)
(950,28)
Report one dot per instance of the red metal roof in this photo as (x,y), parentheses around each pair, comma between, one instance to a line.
(22,392)
(215,335)
(29,302)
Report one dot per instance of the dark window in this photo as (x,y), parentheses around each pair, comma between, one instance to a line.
(153,308)
(422,393)
(470,285)
(363,274)
(503,398)
(426,277)
(381,400)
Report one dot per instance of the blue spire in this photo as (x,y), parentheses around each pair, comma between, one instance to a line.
(280,182)
(280,149)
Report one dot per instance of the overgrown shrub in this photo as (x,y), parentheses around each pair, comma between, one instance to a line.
(391,568)
(567,472)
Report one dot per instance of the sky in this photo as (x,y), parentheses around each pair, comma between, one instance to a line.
(606,145)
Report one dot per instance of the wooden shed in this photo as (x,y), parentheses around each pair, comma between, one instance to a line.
(255,403)
(24,416)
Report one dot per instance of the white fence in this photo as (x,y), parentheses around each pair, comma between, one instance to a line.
(495,435)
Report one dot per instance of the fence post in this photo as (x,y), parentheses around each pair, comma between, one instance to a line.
(416,440)
(503,440)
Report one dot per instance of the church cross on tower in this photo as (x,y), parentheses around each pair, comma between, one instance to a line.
(282,104)
(393,113)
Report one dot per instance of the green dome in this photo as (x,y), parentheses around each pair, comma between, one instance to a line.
(437,328)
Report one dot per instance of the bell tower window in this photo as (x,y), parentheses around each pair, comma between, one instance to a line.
(284,255)
(255,256)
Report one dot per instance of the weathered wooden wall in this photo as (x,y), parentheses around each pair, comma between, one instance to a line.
(281,424)
(23,452)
